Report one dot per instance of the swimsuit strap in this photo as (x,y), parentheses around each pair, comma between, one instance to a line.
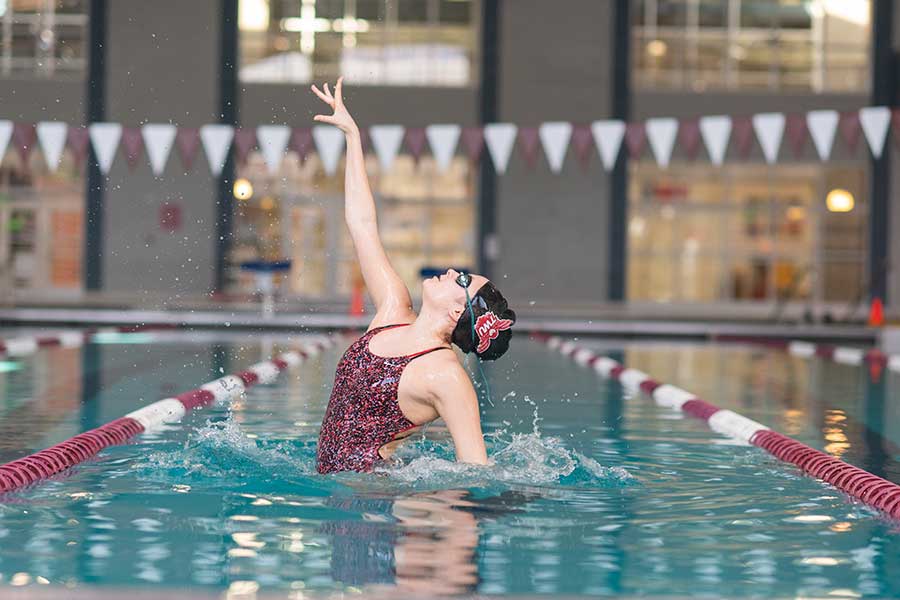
(424,352)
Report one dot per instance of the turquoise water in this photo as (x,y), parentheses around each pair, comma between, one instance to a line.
(594,492)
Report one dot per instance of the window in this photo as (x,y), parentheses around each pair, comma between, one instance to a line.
(426,219)
(45,38)
(374,42)
(802,45)
(747,233)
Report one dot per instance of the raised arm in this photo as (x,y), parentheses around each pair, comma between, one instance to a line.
(455,400)
(391,297)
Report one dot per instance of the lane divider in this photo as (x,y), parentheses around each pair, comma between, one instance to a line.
(24,345)
(872,490)
(50,461)
(846,355)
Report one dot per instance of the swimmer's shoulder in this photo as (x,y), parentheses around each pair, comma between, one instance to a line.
(439,372)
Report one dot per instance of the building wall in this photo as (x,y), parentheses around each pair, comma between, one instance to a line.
(33,100)
(552,229)
(162,66)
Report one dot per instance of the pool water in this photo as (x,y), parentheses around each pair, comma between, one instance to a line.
(593,491)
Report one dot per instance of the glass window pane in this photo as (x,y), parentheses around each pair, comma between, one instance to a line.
(671,13)
(713,13)
(412,11)
(330,9)
(456,11)
(372,10)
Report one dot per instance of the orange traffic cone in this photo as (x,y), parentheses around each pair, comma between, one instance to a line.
(876,313)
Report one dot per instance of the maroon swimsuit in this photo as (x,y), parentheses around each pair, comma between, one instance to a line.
(363,413)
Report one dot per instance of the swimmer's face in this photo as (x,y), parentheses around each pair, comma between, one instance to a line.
(442,291)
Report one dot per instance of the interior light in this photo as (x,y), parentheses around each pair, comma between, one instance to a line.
(839,200)
(243,189)
(657,48)
(253,15)
(267,203)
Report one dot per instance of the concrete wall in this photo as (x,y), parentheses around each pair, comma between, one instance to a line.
(552,228)
(32,100)
(162,65)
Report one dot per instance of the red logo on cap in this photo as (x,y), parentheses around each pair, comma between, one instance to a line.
(488,328)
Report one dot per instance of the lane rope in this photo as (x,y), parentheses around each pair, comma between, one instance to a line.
(870,489)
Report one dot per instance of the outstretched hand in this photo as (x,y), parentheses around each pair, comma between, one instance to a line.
(341,117)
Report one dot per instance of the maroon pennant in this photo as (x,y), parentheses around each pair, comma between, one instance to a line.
(583,144)
(742,134)
(188,141)
(689,137)
(132,144)
(850,129)
(796,132)
(895,124)
(78,139)
(244,142)
(301,142)
(415,141)
(530,145)
(24,137)
(473,142)
(635,137)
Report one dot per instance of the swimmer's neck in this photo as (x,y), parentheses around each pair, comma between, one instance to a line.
(431,329)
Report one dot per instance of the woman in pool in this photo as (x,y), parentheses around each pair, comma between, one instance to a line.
(403,372)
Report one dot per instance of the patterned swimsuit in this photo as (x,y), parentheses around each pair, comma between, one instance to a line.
(363,413)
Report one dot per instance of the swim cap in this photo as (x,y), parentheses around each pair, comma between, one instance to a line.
(493,324)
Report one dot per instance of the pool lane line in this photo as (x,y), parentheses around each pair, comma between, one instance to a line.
(50,461)
(25,345)
(845,354)
(872,490)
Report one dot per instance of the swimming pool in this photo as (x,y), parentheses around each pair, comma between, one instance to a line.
(595,491)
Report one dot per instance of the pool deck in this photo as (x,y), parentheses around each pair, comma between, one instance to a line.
(623,325)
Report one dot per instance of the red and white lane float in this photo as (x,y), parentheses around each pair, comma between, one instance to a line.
(46,463)
(845,354)
(25,345)
(878,493)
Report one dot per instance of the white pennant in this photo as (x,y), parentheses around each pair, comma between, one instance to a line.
(52,136)
(716,131)
(6,129)
(500,139)
(216,140)
(386,140)
(443,140)
(273,141)
(822,125)
(769,128)
(555,139)
(661,134)
(608,137)
(105,140)
(875,121)
(158,139)
(330,144)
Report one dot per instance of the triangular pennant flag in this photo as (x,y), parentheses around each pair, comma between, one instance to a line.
(301,142)
(330,144)
(662,133)
(530,145)
(742,130)
(822,126)
(105,140)
(716,131)
(52,137)
(79,137)
(216,140)
(875,121)
(159,139)
(555,138)
(6,129)
(244,142)
(582,145)
(608,137)
(769,128)
(24,138)
(188,141)
(443,140)
(132,145)
(415,142)
(850,129)
(473,142)
(689,137)
(500,139)
(635,136)
(273,141)
(795,129)
(386,140)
